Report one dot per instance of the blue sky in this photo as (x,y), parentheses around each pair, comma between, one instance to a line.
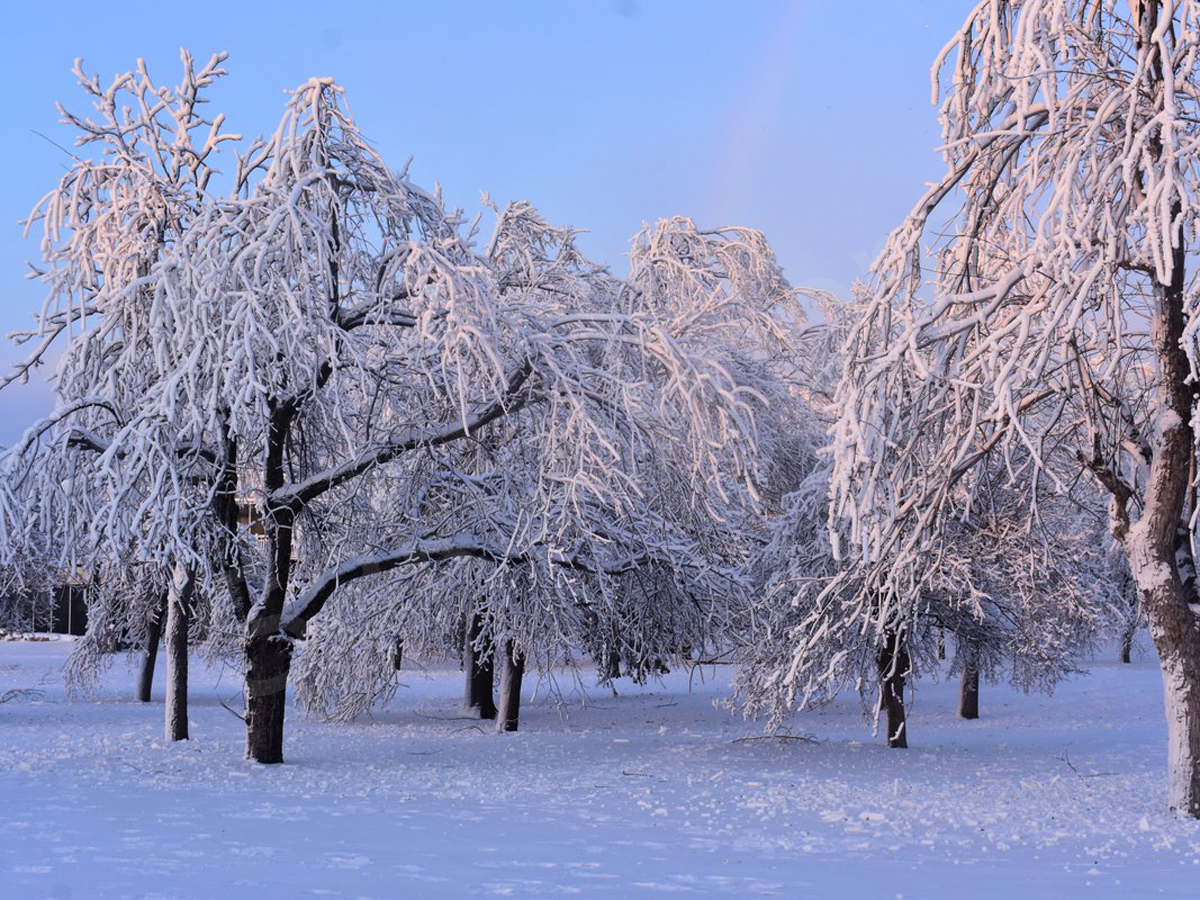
(807,119)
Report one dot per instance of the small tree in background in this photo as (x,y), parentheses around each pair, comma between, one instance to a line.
(652,570)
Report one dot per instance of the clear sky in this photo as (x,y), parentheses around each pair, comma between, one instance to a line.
(808,119)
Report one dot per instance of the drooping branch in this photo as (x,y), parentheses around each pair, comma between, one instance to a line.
(296,496)
(297,613)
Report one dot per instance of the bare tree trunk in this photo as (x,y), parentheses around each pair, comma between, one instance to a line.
(179,601)
(478,699)
(268,649)
(893,663)
(398,653)
(510,688)
(1127,641)
(968,696)
(1128,591)
(610,666)
(1150,544)
(605,650)
(268,660)
(150,657)
(1174,626)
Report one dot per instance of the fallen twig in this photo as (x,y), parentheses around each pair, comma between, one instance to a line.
(1065,757)
(447,718)
(807,739)
(20,694)
(231,709)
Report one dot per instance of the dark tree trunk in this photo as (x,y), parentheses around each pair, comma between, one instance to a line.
(268,650)
(398,653)
(610,666)
(1133,611)
(268,660)
(968,697)
(941,643)
(893,665)
(1127,642)
(179,602)
(150,658)
(608,660)
(478,699)
(510,688)
(462,642)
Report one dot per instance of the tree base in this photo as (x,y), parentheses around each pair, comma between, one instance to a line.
(893,664)
(510,689)
(268,660)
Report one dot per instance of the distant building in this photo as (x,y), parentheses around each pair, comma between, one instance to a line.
(60,611)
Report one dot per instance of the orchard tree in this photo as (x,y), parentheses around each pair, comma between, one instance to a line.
(111,219)
(322,348)
(1020,589)
(647,576)
(379,347)
(1062,320)
(1024,592)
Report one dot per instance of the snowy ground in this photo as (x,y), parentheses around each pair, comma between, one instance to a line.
(640,795)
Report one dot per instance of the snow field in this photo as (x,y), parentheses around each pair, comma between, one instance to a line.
(646,794)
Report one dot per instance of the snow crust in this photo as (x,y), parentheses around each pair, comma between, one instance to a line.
(629,796)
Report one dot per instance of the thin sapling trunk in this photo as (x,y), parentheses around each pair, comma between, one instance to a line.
(150,657)
(893,663)
(179,600)
(478,699)
(510,688)
(968,695)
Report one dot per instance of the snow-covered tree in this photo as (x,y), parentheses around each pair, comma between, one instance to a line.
(1022,593)
(111,219)
(674,553)
(322,348)
(1019,592)
(1061,325)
